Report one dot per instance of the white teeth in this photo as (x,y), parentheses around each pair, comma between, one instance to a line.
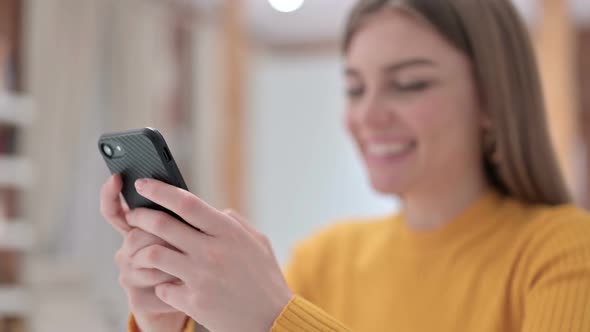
(384,150)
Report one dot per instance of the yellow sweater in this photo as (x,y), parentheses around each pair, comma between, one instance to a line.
(500,266)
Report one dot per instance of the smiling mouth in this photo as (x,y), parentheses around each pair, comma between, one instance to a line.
(388,150)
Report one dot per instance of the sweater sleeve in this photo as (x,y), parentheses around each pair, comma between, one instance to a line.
(303,276)
(558,296)
(302,316)
(132,325)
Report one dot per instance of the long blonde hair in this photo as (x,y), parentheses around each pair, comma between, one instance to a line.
(494,37)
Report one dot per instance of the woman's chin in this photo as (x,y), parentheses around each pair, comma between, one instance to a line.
(388,186)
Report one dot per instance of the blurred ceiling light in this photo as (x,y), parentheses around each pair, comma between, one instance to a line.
(286,6)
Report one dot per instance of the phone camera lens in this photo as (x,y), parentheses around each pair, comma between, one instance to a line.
(107,150)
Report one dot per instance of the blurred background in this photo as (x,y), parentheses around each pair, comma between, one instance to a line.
(249,96)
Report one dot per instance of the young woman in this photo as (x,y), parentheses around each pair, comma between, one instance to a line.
(445,106)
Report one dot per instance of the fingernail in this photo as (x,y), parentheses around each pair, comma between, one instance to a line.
(140,184)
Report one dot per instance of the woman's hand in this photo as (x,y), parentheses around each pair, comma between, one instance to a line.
(229,277)
(151,314)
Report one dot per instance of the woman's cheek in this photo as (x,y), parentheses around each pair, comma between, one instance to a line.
(352,125)
(429,117)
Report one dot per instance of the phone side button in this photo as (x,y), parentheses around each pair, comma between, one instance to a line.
(167,154)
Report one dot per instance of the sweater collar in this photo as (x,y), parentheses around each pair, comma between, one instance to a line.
(478,215)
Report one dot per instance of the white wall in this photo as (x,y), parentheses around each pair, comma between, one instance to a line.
(303,172)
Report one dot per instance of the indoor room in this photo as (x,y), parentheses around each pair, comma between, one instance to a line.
(297,148)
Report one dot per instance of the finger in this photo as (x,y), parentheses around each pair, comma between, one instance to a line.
(134,241)
(242,222)
(110,204)
(167,228)
(250,229)
(124,204)
(174,295)
(144,278)
(144,301)
(137,239)
(188,206)
(164,259)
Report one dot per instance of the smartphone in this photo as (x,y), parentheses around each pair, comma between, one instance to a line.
(137,154)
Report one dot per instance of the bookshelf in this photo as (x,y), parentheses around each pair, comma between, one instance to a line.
(14,301)
(16,235)
(16,112)
(15,172)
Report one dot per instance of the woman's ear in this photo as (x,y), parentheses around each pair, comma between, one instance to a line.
(489,138)
(486,121)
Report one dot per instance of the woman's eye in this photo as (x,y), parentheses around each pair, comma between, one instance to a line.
(354,92)
(415,86)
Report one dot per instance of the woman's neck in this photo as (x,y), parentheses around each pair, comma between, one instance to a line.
(434,208)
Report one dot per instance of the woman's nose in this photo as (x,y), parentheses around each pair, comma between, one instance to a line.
(376,113)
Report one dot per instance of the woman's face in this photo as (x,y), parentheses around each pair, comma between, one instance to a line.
(412,108)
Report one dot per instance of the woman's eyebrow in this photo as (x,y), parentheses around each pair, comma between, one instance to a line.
(413,62)
(394,67)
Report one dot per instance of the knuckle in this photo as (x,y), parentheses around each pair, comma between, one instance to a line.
(134,238)
(160,223)
(154,253)
(186,203)
(120,258)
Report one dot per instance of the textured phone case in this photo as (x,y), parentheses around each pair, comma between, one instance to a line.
(143,154)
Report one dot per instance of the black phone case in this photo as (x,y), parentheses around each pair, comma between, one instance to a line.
(144,154)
